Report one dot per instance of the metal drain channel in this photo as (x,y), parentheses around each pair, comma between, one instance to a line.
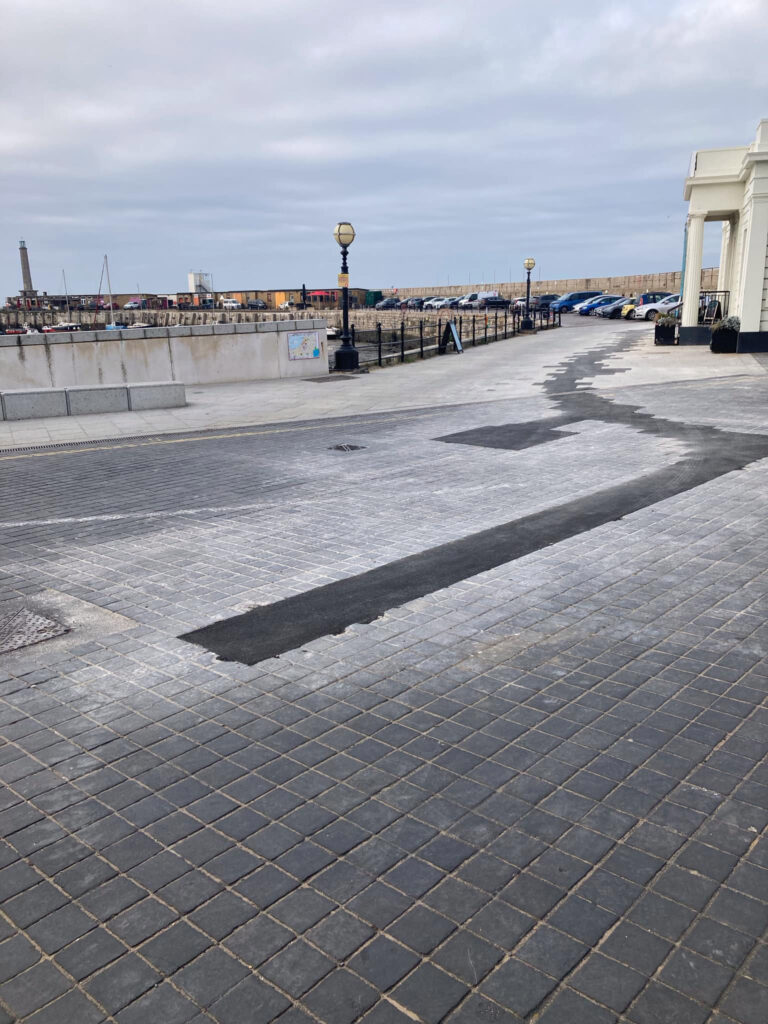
(346,448)
(25,628)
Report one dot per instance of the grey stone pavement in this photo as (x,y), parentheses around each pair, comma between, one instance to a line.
(538,794)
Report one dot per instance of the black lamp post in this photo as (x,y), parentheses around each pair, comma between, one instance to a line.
(527,324)
(347,357)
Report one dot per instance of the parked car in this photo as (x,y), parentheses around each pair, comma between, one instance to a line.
(256,304)
(542,302)
(232,304)
(647,298)
(589,307)
(415,302)
(650,310)
(494,302)
(473,299)
(133,304)
(389,303)
(628,308)
(566,302)
(612,310)
(432,302)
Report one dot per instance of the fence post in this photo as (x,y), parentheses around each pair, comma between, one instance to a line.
(461,336)
(473,331)
(378,339)
(352,332)
(485,318)
(505,323)
(402,341)
(439,331)
(421,338)
(496,326)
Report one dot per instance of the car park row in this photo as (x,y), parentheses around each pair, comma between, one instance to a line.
(646,306)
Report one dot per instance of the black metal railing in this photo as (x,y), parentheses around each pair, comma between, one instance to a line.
(411,338)
(713,306)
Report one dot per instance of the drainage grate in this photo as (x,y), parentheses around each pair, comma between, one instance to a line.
(346,448)
(25,628)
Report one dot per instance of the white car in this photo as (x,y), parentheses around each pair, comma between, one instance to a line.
(432,303)
(654,309)
(585,302)
(231,304)
(133,304)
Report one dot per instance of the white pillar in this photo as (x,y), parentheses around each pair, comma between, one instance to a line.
(693,259)
(724,272)
(754,261)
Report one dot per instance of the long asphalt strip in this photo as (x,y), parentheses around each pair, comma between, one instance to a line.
(269,630)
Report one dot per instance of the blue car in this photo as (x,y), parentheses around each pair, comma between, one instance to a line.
(587,309)
(566,302)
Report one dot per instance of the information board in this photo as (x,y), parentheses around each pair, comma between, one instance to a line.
(450,336)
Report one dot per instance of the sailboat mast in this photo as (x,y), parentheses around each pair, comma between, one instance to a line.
(66,293)
(109,285)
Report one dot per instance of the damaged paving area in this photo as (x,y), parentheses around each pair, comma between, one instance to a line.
(464,720)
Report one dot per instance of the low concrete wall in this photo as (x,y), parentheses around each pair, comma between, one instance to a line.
(82,399)
(200,354)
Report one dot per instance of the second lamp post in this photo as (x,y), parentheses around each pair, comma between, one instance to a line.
(527,324)
(347,357)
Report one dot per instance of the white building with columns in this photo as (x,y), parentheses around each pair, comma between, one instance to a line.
(730,185)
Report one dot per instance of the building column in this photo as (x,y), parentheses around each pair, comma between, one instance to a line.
(693,260)
(724,271)
(753,261)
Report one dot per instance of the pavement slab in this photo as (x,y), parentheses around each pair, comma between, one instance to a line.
(533,787)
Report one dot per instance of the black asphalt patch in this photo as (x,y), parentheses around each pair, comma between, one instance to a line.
(270,630)
(512,436)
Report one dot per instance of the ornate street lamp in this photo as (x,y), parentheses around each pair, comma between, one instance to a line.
(347,357)
(527,324)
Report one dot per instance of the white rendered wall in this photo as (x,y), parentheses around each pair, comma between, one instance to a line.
(208,354)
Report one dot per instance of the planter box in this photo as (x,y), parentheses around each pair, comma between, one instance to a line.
(724,341)
(664,334)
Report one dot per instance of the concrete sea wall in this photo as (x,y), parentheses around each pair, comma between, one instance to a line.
(202,354)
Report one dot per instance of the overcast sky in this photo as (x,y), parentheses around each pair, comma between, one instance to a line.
(458,137)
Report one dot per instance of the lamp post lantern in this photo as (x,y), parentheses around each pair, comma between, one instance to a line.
(527,324)
(347,357)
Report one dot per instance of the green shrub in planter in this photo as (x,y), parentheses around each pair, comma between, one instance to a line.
(665,329)
(725,335)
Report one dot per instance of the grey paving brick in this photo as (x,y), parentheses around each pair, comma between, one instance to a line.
(163,1003)
(383,962)
(209,976)
(745,1001)
(121,982)
(174,947)
(296,968)
(72,1008)
(250,1000)
(517,987)
(33,989)
(340,934)
(257,940)
(429,992)
(607,982)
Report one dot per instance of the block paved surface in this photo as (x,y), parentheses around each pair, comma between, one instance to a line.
(537,794)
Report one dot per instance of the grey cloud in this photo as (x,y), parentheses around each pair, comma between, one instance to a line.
(457,137)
